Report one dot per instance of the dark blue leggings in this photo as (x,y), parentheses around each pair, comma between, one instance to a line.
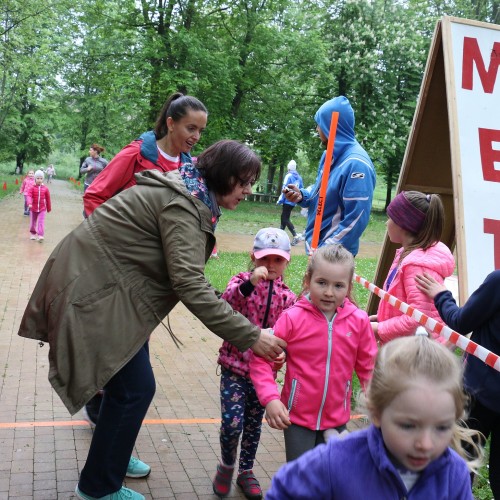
(487,422)
(126,400)
(241,416)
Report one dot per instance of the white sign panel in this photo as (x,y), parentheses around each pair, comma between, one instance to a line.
(476,59)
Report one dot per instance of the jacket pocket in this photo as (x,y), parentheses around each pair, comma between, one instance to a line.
(293,394)
(92,298)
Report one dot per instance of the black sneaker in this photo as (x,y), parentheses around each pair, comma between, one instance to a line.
(91,409)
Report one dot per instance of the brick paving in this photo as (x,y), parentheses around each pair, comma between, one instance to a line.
(43,448)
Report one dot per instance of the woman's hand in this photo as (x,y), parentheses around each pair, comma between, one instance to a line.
(268,346)
(277,415)
(428,285)
(292,193)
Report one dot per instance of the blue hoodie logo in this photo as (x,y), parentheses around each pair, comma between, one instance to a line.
(357,175)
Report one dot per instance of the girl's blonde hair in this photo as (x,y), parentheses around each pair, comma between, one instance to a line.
(403,360)
(333,254)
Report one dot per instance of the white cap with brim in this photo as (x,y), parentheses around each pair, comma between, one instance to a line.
(271,241)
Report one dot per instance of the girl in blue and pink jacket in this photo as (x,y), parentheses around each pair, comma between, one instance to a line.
(415,222)
(328,337)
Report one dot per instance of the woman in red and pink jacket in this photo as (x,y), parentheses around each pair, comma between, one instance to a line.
(39,205)
(416,221)
(328,337)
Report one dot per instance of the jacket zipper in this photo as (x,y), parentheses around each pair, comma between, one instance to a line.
(327,373)
(347,387)
(268,306)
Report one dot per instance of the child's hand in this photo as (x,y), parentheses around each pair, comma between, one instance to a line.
(258,274)
(428,285)
(373,318)
(277,415)
(279,361)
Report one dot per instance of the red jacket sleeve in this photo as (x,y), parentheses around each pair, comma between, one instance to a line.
(118,175)
(47,200)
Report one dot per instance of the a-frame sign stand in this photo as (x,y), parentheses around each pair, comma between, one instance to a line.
(454,148)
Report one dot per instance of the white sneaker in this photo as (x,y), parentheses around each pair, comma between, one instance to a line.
(40,239)
(33,237)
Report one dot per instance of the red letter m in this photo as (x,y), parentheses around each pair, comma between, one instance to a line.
(471,55)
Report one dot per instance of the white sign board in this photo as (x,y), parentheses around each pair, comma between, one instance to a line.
(475,143)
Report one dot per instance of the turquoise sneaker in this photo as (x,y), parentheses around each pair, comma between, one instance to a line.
(122,494)
(137,468)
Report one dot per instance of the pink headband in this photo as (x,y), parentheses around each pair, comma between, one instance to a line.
(405,215)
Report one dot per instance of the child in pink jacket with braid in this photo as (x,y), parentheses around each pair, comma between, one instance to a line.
(261,296)
(416,221)
(328,337)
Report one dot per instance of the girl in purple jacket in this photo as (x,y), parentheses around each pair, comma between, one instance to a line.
(261,296)
(328,337)
(416,401)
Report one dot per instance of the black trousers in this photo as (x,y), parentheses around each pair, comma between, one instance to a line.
(487,422)
(285,218)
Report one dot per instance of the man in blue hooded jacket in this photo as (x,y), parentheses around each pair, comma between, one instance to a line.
(350,185)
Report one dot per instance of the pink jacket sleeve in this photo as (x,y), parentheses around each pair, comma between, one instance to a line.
(365,360)
(402,324)
(261,371)
(29,196)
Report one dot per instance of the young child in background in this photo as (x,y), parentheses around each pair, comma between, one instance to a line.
(416,222)
(415,400)
(51,172)
(481,316)
(39,205)
(261,296)
(26,185)
(328,337)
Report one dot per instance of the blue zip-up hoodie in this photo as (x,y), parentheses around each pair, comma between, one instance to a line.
(350,186)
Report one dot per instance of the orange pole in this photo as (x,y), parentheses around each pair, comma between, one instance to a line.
(324,181)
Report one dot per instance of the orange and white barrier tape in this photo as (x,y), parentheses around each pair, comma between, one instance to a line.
(467,345)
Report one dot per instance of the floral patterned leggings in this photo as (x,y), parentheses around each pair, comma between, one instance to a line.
(241,414)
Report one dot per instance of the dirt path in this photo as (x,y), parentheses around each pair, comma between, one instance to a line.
(229,242)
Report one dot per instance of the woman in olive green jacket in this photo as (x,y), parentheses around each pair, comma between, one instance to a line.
(110,282)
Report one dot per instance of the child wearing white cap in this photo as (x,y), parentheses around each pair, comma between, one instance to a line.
(38,198)
(261,296)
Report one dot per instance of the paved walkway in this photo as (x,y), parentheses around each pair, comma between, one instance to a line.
(43,449)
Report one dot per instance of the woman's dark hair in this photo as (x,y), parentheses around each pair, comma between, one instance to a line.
(97,148)
(176,106)
(226,163)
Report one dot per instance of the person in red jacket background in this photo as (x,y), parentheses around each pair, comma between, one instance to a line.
(39,205)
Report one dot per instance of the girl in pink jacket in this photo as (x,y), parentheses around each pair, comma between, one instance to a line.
(39,205)
(27,184)
(328,337)
(415,222)
(261,296)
